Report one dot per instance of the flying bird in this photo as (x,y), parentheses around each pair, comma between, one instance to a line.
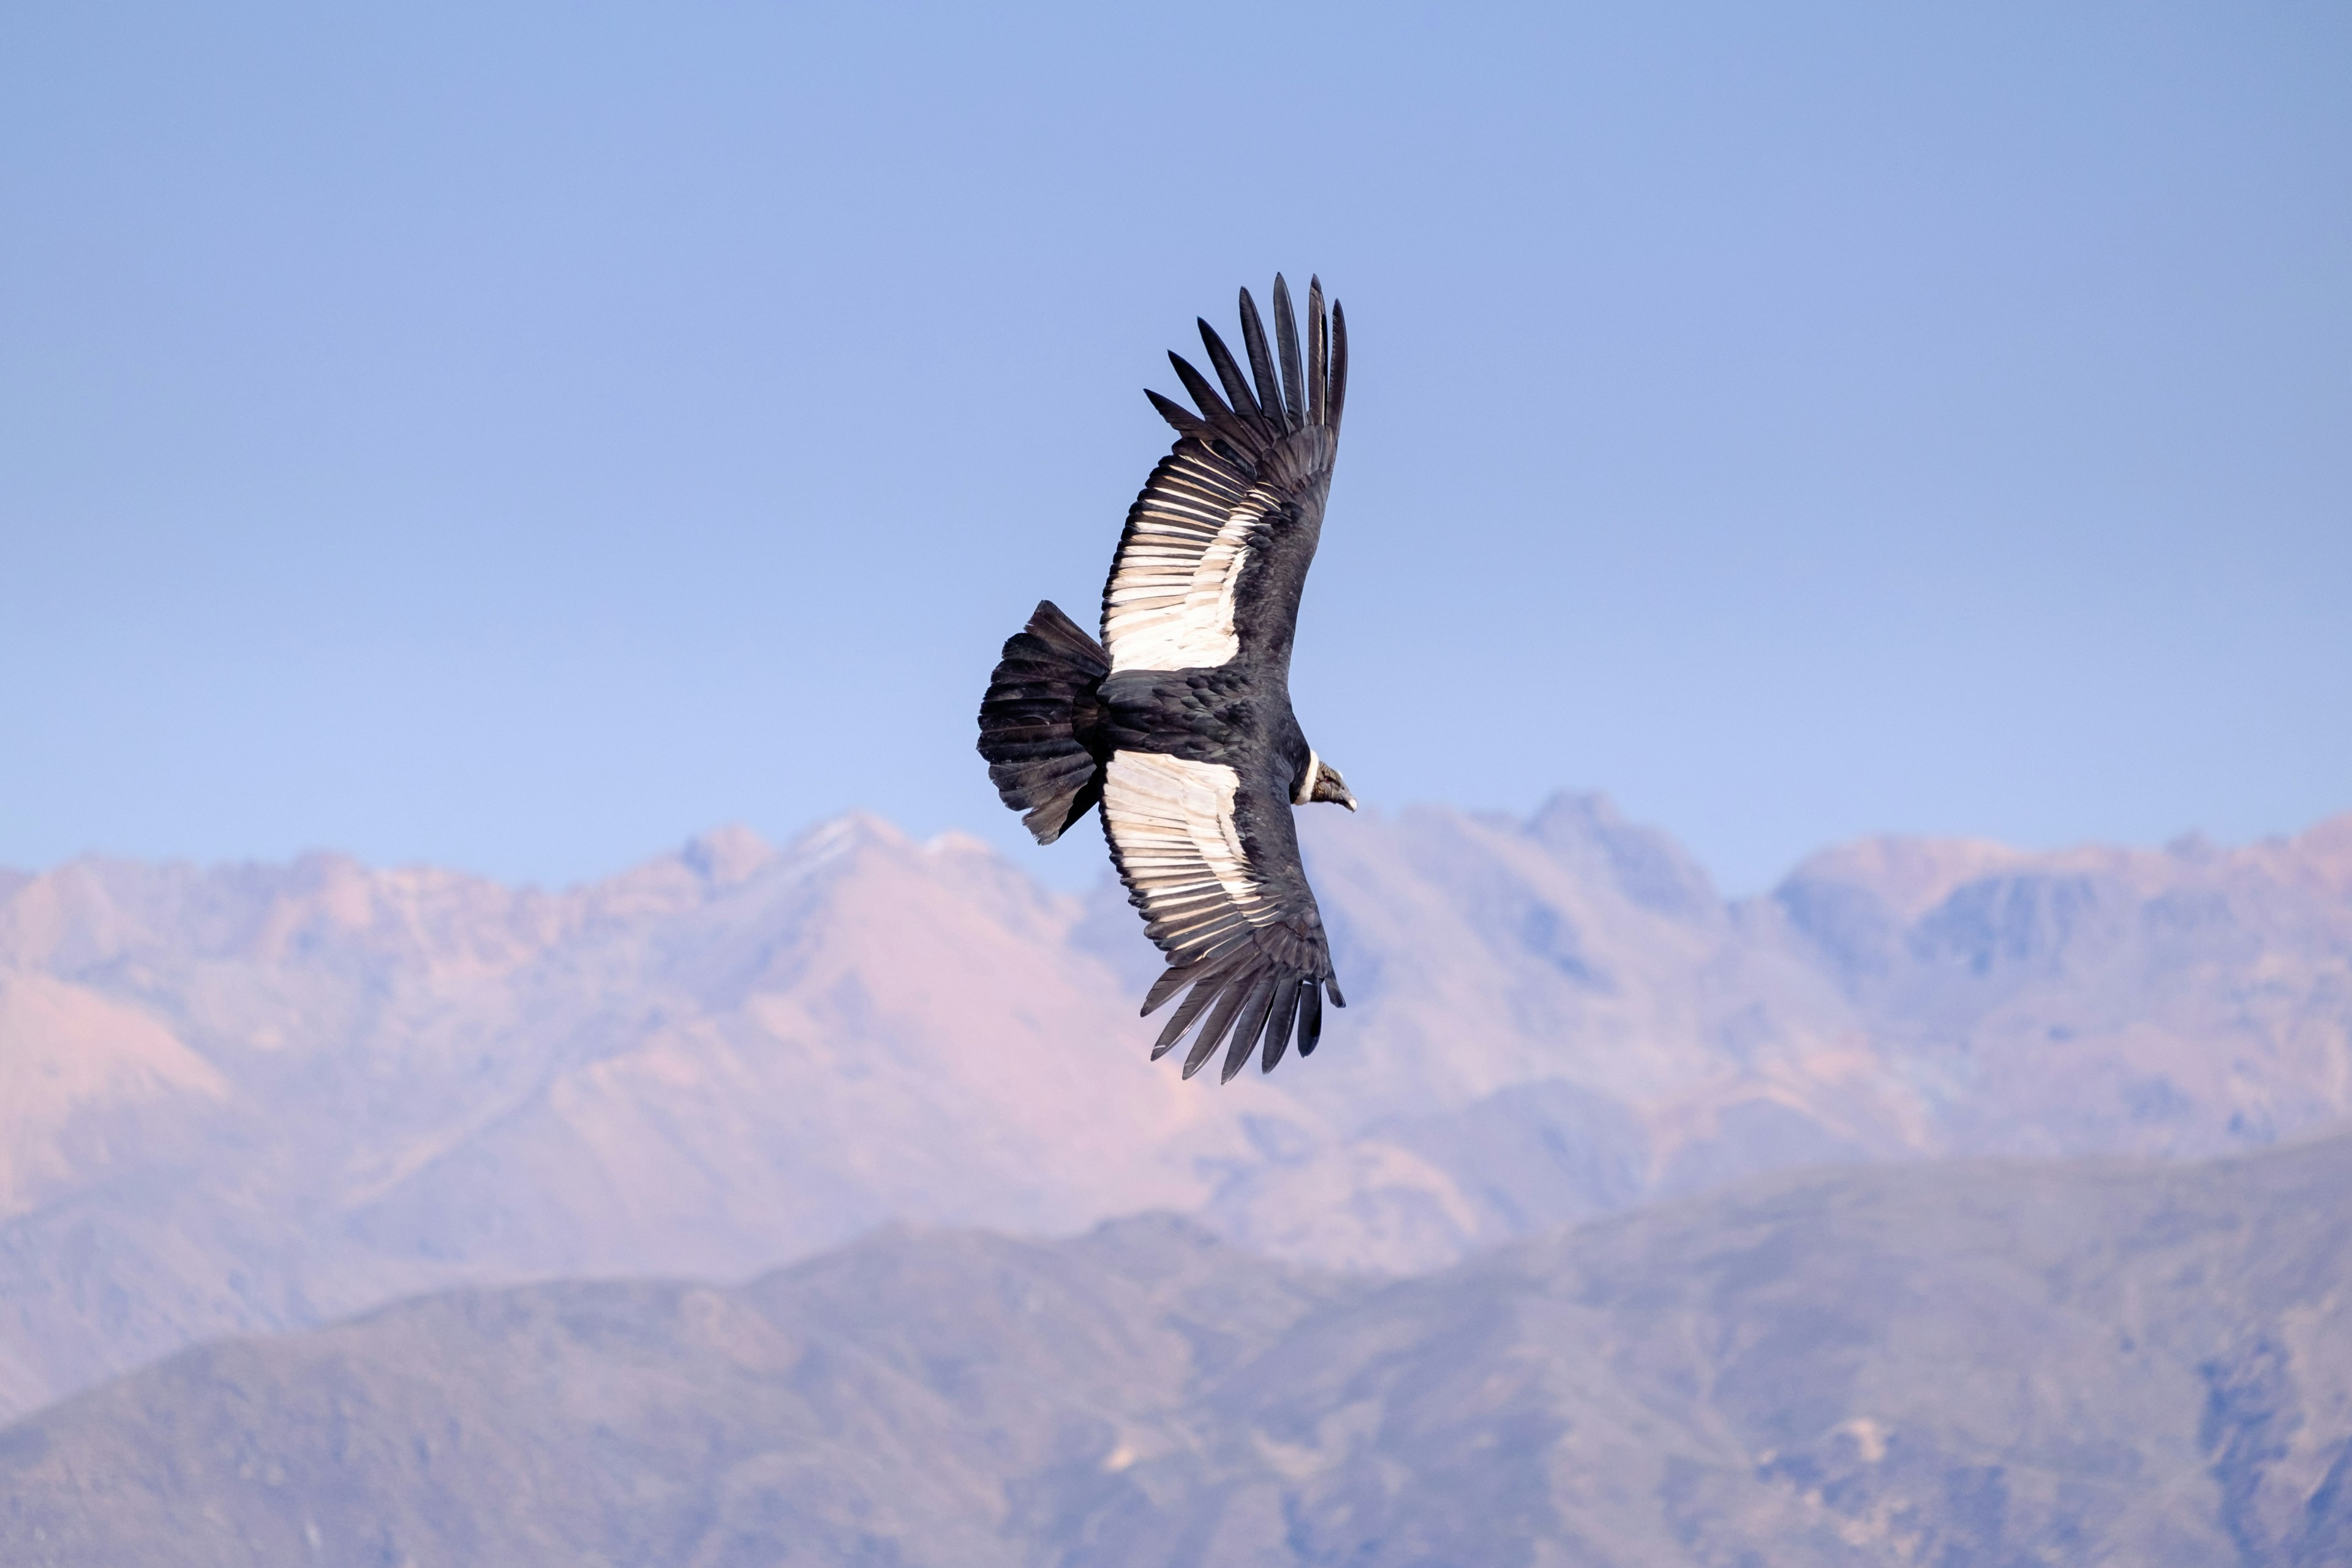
(1177,724)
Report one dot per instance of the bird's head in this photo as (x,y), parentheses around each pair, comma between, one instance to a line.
(1329,785)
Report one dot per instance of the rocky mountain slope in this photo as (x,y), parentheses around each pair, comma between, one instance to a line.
(1946,1363)
(259,1098)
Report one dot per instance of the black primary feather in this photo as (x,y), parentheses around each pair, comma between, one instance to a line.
(1237,388)
(1339,365)
(1185,421)
(1205,992)
(1278,1021)
(1212,1033)
(1319,354)
(1212,407)
(1248,1024)
(1286,334)
(1269,389)
(1173,979)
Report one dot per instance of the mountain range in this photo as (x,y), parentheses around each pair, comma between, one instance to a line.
(1951,1364)
(250,1098)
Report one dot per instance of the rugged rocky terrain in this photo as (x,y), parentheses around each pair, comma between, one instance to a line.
(246,1098)
(1940,1364)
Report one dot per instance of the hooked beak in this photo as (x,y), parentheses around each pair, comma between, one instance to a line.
(1330,787)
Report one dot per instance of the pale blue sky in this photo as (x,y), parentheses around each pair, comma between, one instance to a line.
(518,437)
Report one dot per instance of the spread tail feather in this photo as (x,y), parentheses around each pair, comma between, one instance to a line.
(1040,722)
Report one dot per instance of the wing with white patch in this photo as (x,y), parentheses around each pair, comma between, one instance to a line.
(1170,601)
(1212,862)
(1244,483)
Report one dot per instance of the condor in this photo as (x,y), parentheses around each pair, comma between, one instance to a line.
(1177,724)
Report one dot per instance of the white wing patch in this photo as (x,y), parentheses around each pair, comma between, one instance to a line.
(1170,605)
(1173,824)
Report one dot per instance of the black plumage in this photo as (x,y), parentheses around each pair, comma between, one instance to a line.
(1178,724)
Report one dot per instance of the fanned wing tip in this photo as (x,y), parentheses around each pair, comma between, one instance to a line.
(1269,389)
(1286,335)
(1249,1011)
(1331,984)
(1279,394)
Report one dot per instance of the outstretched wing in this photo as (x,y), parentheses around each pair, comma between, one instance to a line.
(1244,483)
(1212,859)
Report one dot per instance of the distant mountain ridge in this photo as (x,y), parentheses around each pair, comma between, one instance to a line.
(250,1098)
(1939,1363)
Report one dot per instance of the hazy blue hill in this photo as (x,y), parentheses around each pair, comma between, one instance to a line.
(1952,1363)
(891,1397)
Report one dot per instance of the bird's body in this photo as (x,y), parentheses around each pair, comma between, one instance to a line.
(1179,724)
